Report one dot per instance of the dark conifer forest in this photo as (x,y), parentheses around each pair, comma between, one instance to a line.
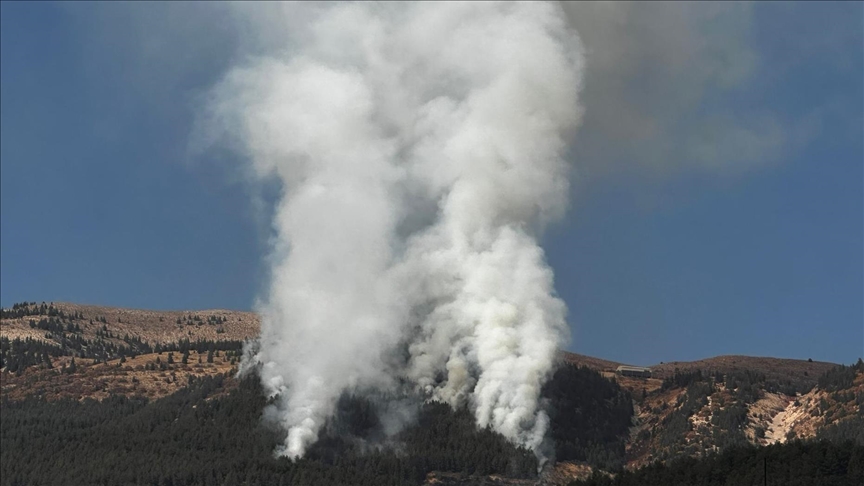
(590,417)
(211,433)
(193,437)
(198,436)
(797,463)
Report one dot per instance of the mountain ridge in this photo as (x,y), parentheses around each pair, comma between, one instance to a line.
(57,351)
(241,325)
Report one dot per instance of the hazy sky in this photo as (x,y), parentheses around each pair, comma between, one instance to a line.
(718,196)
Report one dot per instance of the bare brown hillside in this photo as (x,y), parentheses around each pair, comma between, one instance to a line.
(147,375)
(151,326)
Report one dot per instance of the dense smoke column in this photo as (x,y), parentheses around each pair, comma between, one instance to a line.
(420,151)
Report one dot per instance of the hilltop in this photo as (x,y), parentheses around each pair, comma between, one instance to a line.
(154,327)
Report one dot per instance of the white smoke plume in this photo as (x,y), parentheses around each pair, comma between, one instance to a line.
(420,147)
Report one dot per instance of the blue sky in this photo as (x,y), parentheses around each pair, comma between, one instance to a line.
(718,196)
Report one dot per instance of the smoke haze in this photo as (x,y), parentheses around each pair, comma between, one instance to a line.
(420,148)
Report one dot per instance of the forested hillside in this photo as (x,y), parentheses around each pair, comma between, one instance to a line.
(198,436)
(33,332)
(591,417)
(83,403)
(190,438)
(793,464)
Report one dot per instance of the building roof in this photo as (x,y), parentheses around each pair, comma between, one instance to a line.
(633,368)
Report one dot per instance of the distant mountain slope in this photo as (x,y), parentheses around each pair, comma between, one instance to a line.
(596,364)
(801,372)
(758,401)
(684,409)
(150,326)
(794,464)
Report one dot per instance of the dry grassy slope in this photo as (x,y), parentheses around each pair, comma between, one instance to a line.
(100,380)
(151,326)
(792,369)
(797,370)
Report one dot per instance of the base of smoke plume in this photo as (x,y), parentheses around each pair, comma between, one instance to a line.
(378,431)
(387,413)
(366,421)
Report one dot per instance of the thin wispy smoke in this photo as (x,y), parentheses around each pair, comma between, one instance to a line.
(420,148)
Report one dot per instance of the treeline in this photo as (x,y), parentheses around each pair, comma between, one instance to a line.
(196,437)
(18,354)
(55,325)
(841,377)
(24,309)
(590,417)
(792,464)
(199,345)
(849,429)
(683,379)
(196,319)
(747,383)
